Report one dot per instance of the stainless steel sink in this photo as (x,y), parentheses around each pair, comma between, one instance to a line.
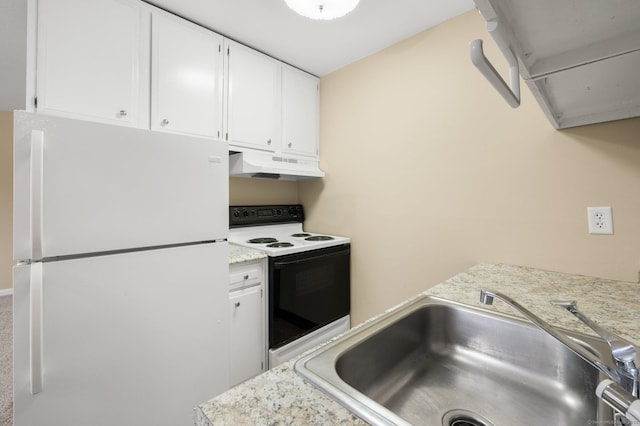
(436,362)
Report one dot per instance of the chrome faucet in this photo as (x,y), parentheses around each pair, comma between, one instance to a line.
(623,353)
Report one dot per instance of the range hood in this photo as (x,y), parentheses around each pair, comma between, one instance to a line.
(272,166)
(579,58)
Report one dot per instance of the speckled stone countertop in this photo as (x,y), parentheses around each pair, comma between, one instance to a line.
(239,254)
(281,397)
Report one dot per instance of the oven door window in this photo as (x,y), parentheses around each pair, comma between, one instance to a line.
(308,290)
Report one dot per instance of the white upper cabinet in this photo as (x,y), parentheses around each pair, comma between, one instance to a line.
(271,106)
(186,77)
(92,60)
(126,62)
(300,94)
(253,98)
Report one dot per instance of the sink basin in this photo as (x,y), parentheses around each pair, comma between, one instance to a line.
(436,362)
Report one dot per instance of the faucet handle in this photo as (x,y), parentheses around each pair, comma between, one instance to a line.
(568,305)
(621,350)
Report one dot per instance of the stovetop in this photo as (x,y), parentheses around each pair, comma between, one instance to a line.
(277,230)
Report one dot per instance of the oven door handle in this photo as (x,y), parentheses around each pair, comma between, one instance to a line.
(280,264)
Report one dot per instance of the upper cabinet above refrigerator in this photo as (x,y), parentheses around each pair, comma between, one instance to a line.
(92,61)
(580,58)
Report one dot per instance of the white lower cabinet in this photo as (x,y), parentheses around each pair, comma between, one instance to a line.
(247,323)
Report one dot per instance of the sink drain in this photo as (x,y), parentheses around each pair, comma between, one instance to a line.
(465,422)
(464,418)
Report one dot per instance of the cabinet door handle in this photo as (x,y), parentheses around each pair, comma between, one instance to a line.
(289,144)
(123,113)
(269,142)
(164,122)
(246,277)
(237,304)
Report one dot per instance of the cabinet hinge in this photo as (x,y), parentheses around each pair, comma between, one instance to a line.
(227,51)
(262,365)
(226,136)
(261,293)
(35,102)
(219,48)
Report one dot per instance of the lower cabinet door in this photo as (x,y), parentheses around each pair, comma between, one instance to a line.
(247,334)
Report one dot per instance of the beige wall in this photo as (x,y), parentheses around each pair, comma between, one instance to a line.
(6,199)
(429,172)
(244,191)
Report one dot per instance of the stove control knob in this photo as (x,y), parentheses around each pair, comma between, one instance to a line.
(278,212)
(245,213)
(236,213)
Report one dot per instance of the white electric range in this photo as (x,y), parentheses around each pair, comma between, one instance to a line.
(282,239)
(309,276)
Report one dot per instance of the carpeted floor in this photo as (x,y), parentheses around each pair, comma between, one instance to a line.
(6,360)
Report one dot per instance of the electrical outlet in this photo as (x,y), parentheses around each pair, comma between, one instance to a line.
(600,220)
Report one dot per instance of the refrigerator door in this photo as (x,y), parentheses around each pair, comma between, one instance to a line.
(139,338)
(83,187)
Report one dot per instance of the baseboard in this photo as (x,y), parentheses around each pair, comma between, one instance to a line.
(7,292)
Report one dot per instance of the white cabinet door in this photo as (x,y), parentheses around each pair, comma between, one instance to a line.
(253,98)
(300,112)
(89,60)
(246,334)
(187,78)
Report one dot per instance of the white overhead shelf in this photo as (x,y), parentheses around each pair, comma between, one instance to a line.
(580,58)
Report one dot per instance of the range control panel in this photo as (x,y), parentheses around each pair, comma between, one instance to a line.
(264,215)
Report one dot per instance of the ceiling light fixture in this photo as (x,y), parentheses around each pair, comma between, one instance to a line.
(322,9)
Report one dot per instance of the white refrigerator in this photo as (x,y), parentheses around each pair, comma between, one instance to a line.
(120,283)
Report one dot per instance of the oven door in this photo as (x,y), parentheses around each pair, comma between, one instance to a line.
(307,291)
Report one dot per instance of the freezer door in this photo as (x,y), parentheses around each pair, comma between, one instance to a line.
(83,187)
(125,339)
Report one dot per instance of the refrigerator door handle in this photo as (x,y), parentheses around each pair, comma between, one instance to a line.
(35,326)
(36,192)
